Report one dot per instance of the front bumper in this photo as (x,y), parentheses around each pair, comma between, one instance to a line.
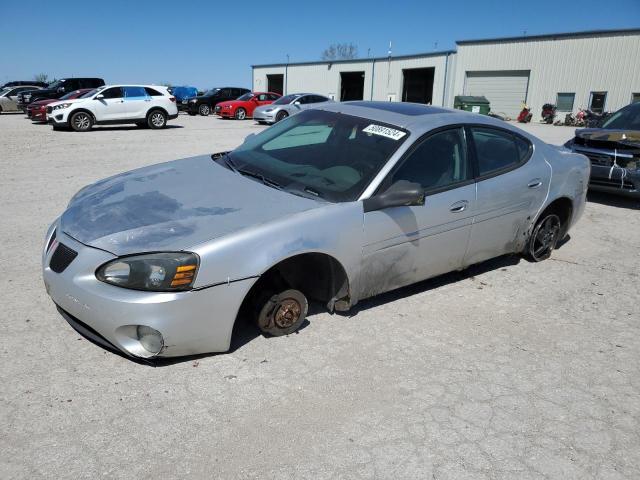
(612,174)
(615,180)
(58,118)
(37,115)
(267,117)
(192,322)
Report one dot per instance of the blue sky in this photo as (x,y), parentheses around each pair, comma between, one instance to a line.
(200,43)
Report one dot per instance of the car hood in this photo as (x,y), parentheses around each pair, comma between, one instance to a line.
(609,137)
(58,101)
(268,106)
(43,102)
(173,206)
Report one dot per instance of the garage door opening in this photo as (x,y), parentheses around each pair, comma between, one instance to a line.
(418,85)
(275,83)
(351,86)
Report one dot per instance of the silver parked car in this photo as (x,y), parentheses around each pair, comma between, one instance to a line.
(9,97)
(334,204)
(287,106)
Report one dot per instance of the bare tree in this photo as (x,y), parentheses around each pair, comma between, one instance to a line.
(340,51)
(41,77)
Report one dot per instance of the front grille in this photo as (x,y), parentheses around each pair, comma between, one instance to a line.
(61,258)
(599,159)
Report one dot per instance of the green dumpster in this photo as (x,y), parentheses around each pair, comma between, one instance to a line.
(472,104)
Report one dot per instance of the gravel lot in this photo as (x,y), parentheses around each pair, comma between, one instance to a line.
(509,370)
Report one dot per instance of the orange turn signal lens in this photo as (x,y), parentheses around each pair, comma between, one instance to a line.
(184,275)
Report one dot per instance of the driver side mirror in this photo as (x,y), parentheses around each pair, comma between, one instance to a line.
(99,97)
(61,90)
(400,194)
(297,102)
(249,137)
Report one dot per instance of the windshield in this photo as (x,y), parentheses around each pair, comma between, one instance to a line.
(70,95)
(91,93)
(315,153)
(213,91)
(5,90)
(627,118)
(286,100)
(246,96)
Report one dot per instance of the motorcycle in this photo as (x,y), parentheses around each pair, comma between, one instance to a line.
(593,119)
(525,115)
(548,113)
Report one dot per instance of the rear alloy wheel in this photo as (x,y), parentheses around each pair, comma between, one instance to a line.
(241,114)
(81,121)
(282,313)
(544,238)
(204,110)
(156,119)
(281,115)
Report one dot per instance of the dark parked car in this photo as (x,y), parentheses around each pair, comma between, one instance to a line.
(183,93)
(614,151)
(57,89)
(204,104)
(20,83)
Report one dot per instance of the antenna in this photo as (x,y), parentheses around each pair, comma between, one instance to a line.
(389,53)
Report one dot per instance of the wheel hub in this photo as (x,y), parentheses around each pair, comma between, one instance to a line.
(287,313)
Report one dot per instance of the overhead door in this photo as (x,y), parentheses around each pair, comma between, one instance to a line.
(505,89)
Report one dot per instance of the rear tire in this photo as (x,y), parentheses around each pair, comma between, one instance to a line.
(281,313)
(204,110)
(241,114)
(81,121)
(544,237)
(156,119)
(281,115)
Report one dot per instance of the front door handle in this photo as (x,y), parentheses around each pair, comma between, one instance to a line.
(535,183)
(460,206)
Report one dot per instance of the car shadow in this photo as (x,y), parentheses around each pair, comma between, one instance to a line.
(613,200)
(245,331)
(433,283)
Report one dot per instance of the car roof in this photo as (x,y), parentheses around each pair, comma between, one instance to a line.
(415,117)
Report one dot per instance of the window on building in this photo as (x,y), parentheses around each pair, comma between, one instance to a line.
(565,101)
(635,97)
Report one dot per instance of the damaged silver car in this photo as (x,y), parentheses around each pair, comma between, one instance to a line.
(335,204)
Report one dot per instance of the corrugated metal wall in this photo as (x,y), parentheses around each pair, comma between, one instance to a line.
(583,65)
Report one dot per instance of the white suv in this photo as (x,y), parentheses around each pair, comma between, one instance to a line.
(144,105)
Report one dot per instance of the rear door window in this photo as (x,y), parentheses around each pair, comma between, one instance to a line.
(498,151)
(134,92)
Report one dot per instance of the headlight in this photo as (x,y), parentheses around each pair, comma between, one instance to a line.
(156,272)
(193,100)
(269,110)
(62,105)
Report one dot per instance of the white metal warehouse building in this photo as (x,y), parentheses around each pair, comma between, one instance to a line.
(595,69)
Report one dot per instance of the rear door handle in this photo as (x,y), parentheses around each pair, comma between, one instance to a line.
(460,206)
(535,183)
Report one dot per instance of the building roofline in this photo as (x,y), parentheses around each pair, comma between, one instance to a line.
(358,60)
(546,36)
(550,36)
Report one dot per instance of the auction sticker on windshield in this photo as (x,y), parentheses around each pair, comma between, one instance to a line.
(384,131)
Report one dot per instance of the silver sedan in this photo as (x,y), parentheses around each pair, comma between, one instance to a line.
(287,106)
(333,205)
(9,97)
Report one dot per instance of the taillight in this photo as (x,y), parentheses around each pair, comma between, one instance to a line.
(173,99)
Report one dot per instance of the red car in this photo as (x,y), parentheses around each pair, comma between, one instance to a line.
(244,106)
(37,111)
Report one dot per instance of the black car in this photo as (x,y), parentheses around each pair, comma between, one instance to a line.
(204,104)
(614,151)
(57,89)
(19,83)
